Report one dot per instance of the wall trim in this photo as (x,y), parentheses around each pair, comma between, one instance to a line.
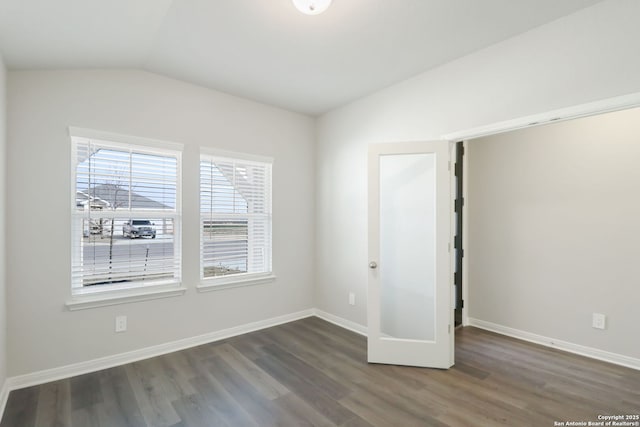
(602,106)
(47,375)
(341,321)
(593,353)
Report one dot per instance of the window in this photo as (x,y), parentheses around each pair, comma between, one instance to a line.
(235,209)
(125,214)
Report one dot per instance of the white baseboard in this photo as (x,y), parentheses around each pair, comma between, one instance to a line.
(342,322)
(594,353)
(80,368)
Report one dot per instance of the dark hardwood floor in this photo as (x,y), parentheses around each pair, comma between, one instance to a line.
(310,372)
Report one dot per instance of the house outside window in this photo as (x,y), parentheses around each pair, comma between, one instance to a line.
(235,211)
(126,214)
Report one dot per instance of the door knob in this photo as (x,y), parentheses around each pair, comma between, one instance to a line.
(373,265)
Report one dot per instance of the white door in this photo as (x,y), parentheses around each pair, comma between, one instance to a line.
(410,314)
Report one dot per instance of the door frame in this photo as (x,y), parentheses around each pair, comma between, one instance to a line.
(458,229)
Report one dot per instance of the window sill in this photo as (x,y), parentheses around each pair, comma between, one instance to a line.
(219,284)
(81,302)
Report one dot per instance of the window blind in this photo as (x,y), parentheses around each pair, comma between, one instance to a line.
(126,215)
(235,209)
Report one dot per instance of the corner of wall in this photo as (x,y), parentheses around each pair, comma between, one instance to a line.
(3,283)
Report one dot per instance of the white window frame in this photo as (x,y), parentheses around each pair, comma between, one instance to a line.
(88,297)
(242,279)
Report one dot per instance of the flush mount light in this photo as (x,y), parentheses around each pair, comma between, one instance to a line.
(311,7)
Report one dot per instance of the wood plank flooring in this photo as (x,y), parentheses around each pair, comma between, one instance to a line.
(312,373)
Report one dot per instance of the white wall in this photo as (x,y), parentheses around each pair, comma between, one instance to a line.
(42,333)
(3,275)
(587,56)
(553,230)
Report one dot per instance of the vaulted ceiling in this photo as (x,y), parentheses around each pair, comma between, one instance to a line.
(266,50)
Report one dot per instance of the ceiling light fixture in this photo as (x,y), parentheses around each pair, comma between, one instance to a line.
(311,7)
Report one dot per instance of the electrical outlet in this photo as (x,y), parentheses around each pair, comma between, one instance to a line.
(121,323)
(599,321)
(352,298)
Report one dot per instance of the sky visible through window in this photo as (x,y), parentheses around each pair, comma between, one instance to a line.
(129,180)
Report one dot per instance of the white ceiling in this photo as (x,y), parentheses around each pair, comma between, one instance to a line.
(265,49)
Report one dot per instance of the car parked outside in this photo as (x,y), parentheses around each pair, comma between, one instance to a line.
(138,228)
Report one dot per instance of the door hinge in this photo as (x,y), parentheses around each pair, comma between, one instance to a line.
(462,304)
(449,246)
